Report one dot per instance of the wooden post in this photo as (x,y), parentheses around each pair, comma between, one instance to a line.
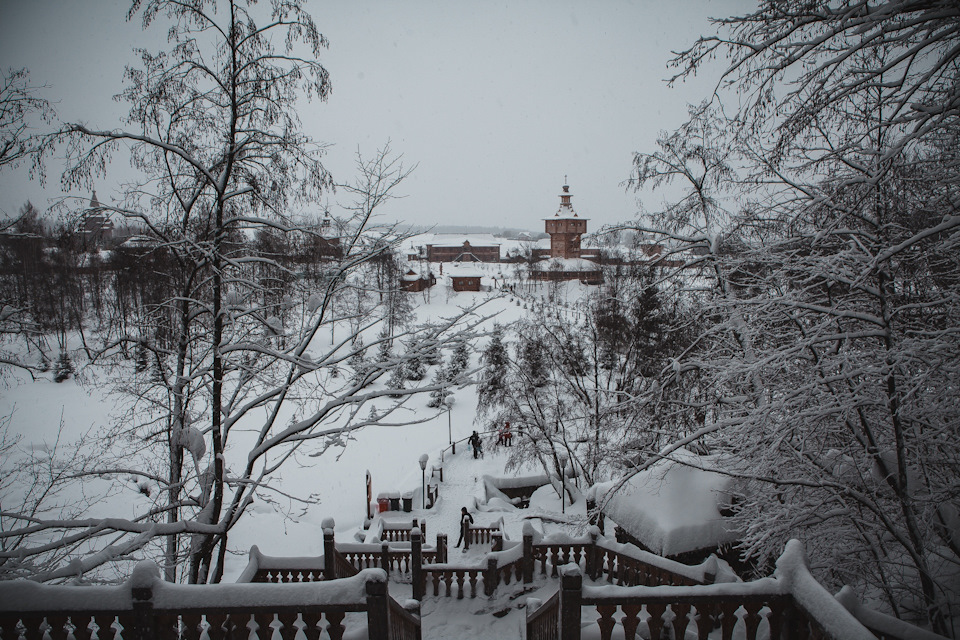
(441,548)
(591,564)
(571,583)
(378,615)
(416,555)
(144,628)
(329,550)
(497,541)
(490,578)
(527,558)
(385,557)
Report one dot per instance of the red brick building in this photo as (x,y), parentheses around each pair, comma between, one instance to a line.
(567,261)
(460,249)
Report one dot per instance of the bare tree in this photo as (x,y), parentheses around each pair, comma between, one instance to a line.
(217,140)
(830,357)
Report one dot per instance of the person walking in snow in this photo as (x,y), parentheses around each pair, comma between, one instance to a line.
(465,521)
(475,443)
(507,435)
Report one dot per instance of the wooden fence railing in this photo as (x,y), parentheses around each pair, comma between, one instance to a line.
(543,620)
(665,596)
(147,608)
(791,604)
(404,625)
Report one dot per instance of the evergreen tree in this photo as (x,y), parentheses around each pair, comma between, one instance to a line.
(439,396)
(396,381)
(357,360)
(432,356)
(142,358)
(385,348)
(459,361)
(495,362)
(415,369)
(64,367)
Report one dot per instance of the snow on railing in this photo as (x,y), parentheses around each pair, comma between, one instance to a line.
(793,572)
(881,624)
(263,568)
(147,608)
(791,601)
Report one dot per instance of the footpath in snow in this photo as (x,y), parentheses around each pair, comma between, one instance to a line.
(502,616)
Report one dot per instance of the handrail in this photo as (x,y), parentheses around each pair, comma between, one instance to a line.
(147,608)
(403,624)
(543,622)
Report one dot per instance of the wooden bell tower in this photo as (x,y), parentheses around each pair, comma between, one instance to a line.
(565,228)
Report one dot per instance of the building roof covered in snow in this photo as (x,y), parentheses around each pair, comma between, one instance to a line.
(457,240)
(566,265)
(673,507)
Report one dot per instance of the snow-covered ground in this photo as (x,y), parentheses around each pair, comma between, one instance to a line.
(83,404)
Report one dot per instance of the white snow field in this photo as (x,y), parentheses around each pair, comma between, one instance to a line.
(84,405)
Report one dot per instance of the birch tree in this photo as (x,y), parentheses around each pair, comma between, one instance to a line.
(214,132)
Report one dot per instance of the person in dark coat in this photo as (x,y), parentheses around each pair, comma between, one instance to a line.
(465,521)
(475,443)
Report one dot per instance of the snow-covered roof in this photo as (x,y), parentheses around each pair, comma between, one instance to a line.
(457,240)
(673,508)
(465,272)
(140,242)
(566,264)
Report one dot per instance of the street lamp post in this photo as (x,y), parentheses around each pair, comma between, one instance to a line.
(423,480)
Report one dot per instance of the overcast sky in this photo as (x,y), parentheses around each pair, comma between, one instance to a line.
(496,102)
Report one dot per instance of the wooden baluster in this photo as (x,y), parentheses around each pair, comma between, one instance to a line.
(554,559)
(775,620)
(611,558)
(81,626)
(32,627)
(436,583)
(311,624)
(606,620)
(57,626)
(217,626)
(630,620)
(263,620)
(473,583)
(751,620)
(288,622)
(168,626)
(190,628)
(704,620)
(335,627)
(728,618)
(655,619)
(448,580)
(681,618)
(459,585)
